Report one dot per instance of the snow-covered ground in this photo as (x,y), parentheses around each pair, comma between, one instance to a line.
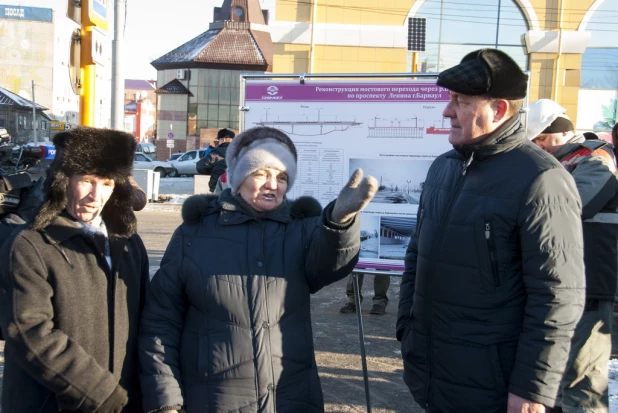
(613,386)
(178,189)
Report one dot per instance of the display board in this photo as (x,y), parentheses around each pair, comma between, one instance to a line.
(392,129)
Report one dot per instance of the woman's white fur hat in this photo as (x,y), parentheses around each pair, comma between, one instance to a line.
(260,148)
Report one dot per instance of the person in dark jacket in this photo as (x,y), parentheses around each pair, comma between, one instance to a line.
(213,163)
(72,285)
(592,164)
(494,274)
(227,322)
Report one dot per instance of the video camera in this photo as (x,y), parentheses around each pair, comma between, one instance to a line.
(16,181)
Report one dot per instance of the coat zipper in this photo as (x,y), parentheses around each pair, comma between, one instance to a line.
(491,247)
(436,244)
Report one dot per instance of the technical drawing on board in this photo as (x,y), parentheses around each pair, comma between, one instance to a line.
(410,128)
(306,124)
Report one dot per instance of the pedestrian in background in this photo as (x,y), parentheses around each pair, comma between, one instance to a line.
(227,322)
(494,275)
(72,285)
(380,298)
(213,163)
(591,163)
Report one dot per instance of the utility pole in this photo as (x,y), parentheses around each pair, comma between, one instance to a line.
(117,66)
(87,95)
(33,115)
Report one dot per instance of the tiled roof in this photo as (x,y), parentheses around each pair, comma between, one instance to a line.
(10,98)
(188,51)
(174,88)
(233,46)
(138,84)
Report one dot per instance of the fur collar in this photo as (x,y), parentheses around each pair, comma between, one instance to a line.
(195,208)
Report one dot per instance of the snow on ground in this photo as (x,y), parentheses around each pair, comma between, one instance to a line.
(613,386)
(176,186)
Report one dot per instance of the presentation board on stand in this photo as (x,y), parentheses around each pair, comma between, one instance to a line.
(391,128)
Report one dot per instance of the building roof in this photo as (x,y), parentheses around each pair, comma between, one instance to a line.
(174,88)
(10,98)
(233,45)
(138,84)
(188,51)
(131,107)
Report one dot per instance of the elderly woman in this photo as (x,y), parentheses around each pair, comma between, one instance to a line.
(227,324)
(73,283)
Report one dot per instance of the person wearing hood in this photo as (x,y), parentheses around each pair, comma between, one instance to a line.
(494,275)
(227,322)
(591,163)
(72,285)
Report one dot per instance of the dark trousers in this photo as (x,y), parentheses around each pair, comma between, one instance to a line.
(380,288)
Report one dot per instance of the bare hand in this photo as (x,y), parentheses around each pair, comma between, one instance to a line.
(518,404)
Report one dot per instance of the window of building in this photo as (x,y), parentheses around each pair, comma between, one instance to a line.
(597,107)
(3,120)
(21,122)
(457,27)
(238,14)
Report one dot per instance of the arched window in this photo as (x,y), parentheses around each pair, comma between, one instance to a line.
(238,15)
(457,27)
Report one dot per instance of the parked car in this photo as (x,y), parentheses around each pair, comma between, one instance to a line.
(185,165)
(143,161)
(148,149)
(175,156)
(5,137)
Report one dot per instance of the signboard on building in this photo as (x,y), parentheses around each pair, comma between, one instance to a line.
(26,13)
(98,13)
(392,130)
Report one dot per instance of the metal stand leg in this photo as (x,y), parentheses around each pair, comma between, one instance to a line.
(361,337)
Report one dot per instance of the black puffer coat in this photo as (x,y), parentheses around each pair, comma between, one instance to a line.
(494,279)
(227,323)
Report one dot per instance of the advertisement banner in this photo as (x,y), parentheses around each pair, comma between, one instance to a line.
(26,13)
(392,130)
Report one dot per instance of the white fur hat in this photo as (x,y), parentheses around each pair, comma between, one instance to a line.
(260,148)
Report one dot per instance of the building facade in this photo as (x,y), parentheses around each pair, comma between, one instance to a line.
(569,46)
(35,39)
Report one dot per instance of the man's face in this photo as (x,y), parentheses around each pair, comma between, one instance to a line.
(551,142)
(87,196)
(471,118)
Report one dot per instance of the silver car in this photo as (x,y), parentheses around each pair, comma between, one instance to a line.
(143,161)
(185,165)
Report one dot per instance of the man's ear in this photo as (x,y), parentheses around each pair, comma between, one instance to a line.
(501,108)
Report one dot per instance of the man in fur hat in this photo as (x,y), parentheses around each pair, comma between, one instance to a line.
(72,285)
(494,275)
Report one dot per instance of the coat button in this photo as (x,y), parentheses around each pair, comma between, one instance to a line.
(270,387)
(265,324)
(260,264)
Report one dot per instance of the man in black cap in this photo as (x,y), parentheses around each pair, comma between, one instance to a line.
(494,275)
(591,163)
(214,164)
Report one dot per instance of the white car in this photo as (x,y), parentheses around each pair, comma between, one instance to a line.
(185,165)
(143,161)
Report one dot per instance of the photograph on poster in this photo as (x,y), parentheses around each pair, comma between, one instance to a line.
(401,180)
(370,236)
(395,236)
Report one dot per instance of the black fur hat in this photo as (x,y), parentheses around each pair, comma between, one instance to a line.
(91,151)
(225,133)
(488,72)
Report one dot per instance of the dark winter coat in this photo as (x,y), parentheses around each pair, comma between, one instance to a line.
(592,165)
(70,323)
(213,164)
(227,322)
(494,277)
